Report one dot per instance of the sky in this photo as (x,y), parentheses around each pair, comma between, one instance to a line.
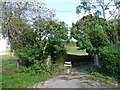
(3,43)
(65,9)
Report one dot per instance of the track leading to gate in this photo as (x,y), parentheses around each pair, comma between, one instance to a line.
(75,79)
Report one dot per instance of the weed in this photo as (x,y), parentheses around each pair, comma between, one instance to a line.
(103,78)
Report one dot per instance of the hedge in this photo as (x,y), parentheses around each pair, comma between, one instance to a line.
(109,59)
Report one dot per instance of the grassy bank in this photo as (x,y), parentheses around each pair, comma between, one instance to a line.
(21,80)
(13,79)
(73,49)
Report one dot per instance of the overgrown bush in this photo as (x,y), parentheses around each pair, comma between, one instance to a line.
(36,69)
(110,60)
(33,45)
(113,30)
(57,51)
(102,77)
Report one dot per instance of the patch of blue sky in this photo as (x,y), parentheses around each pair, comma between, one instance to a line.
(65,10)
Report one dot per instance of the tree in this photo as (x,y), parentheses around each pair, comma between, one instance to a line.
(90,34)
(98,6)
(113,30)
(22,10)
(34,36)
(94,33)
(117,4)
(37,43)
(52,33)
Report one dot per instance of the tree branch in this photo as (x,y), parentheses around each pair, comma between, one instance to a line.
(108,3)
(113,12)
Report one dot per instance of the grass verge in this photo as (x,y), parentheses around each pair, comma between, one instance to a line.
(8,61)
(21,80)
(15,79)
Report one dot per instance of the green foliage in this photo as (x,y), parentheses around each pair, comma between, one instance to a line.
(36,69)
(34,44)
(110,60)
(98,6)
(8,61)
(16,79)
(93,34)
(88,6)
(89,33)
(21,80)
(33,39)
(83,5)
(113,30)
(102,77)
(56,49)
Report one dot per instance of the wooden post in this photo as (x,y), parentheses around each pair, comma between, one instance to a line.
(48,61)
(18,63)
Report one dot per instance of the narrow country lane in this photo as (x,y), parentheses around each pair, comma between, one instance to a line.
(76,79)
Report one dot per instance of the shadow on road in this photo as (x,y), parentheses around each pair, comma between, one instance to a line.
(76,59)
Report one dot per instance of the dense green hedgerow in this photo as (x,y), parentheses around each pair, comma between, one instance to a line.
(110,60)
